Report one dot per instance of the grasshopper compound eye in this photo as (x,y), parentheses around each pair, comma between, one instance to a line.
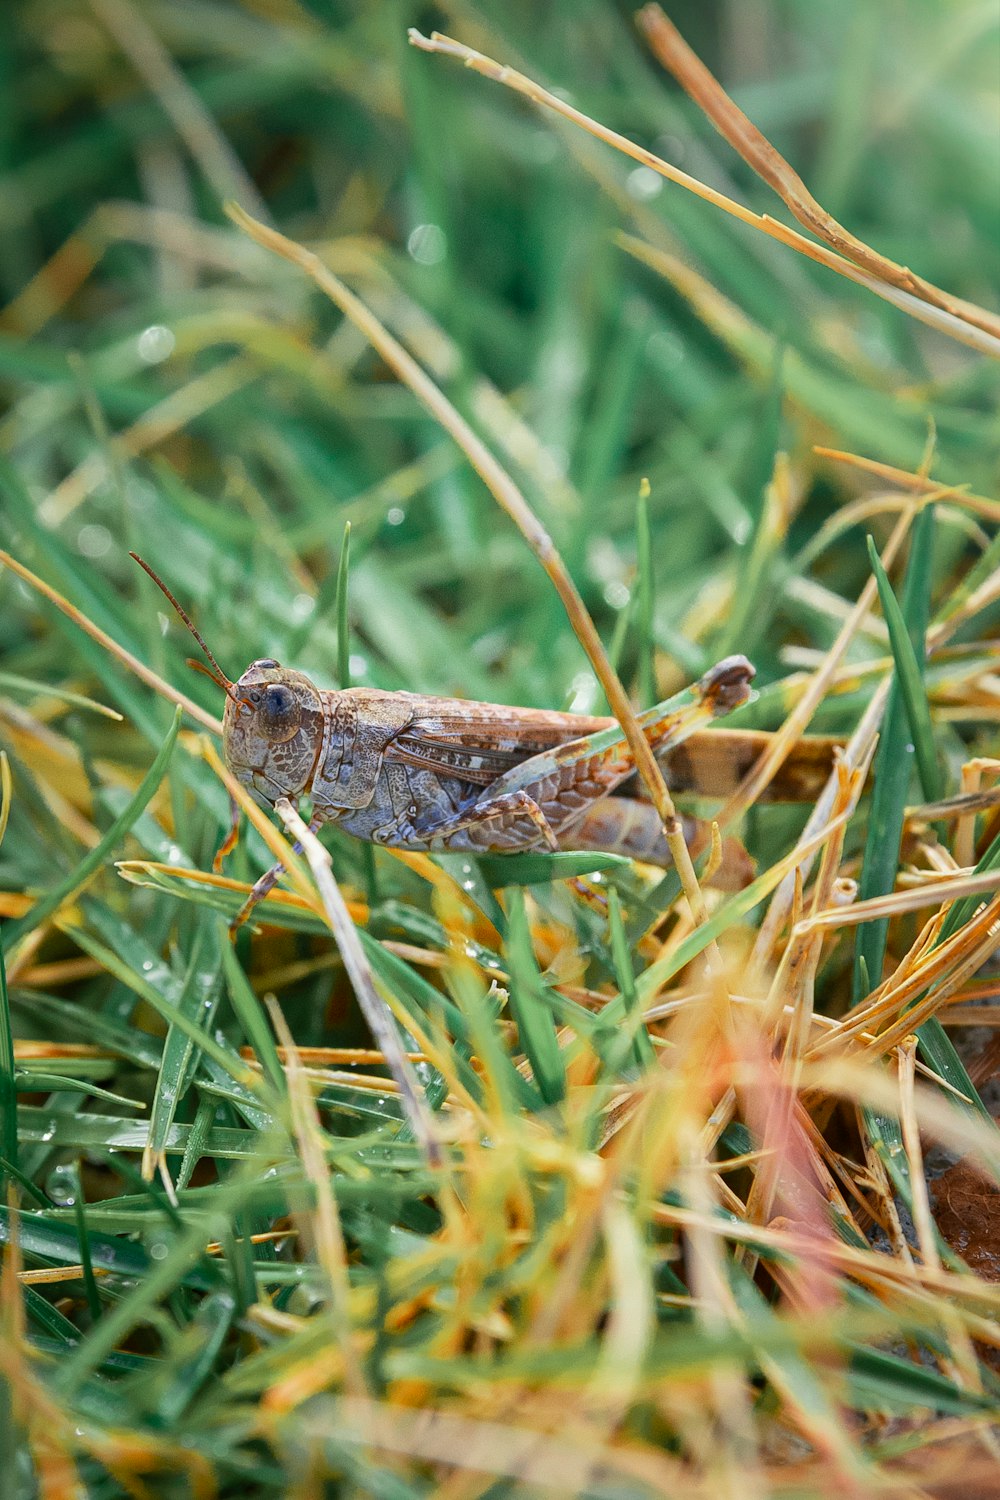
(280,712)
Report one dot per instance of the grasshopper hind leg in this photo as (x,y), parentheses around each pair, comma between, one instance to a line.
(511,821)
(625,825)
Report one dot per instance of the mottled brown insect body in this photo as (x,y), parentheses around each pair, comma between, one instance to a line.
(416,772)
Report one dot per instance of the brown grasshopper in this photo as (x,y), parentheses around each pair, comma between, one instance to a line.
(410,771)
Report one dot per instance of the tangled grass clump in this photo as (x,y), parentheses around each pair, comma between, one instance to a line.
(696,1195)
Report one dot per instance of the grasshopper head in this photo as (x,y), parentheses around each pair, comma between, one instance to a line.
(272,731)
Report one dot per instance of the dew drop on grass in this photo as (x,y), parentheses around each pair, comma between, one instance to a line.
(584,692)
(427,244)
(155,344)
(643,183)
(61,1186)
(93,540)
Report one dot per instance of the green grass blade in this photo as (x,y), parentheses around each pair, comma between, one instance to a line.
(83,1239)
(93,860)
(639,1041)
(962,910)
(197,1001)
(167,1008)
(343,625)
(645,600)
(502,871)
(250,1014)
(31,1081)
(535,1023)
(906,636)
(893,765)
(8,1073)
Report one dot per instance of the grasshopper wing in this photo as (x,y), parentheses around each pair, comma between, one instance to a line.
(480,742)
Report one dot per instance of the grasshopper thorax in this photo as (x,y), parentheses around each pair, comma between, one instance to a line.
(272,730)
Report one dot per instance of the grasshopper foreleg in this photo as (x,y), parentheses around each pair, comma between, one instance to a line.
(232,836)
(266,884)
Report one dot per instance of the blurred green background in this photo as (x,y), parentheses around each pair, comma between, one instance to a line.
(486,234)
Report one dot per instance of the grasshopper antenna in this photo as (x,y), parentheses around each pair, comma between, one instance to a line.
(221,679)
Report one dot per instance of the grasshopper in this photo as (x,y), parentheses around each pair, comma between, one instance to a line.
(410,771)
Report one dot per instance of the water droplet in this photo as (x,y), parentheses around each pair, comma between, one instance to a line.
(155,344)
(427,244)
(61,1185)
(93,541)
(148,965)
(584,690)
(643,183)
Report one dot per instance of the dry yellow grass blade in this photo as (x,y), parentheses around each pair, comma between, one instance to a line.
(673,52)
(314,1057)
(948,320)
(134,870)
(144,673)
(6,792)
(919,483)
(935,892)
(323,1220)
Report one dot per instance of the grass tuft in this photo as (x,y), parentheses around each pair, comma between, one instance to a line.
(534,1174)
